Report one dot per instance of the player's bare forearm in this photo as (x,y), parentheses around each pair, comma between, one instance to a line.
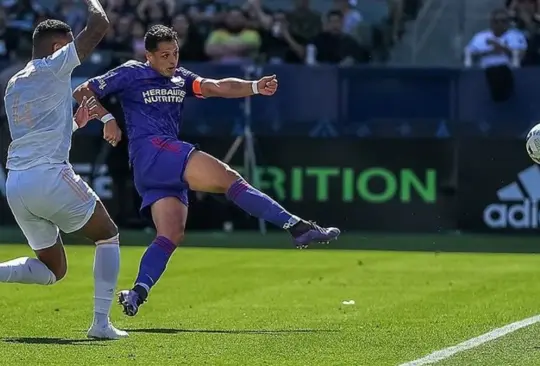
(227,88)
(97,26)
(83,91)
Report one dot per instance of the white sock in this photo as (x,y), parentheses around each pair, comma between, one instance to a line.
(26,270)
(106,268)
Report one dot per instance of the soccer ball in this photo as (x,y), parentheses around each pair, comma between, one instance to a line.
(533,144)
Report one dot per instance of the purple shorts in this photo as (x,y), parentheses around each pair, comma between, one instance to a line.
(158,171)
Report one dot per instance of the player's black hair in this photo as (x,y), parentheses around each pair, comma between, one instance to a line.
(157,34)
(49,28)
(334,13)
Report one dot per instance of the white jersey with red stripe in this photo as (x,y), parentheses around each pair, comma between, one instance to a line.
(42,190)
(39,110)
(47,198)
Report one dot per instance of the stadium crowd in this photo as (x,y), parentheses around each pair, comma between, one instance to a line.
(215,31)
(524,15)
(331,31)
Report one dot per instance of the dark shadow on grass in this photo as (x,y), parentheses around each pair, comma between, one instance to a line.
(231,331)
(57,341)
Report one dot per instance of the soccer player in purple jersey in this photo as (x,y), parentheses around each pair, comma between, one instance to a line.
(164,167)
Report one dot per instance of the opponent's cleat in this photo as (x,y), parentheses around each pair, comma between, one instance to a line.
(307,232)
(106,332)
(130,301)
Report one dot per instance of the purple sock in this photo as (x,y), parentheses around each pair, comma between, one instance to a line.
(260,205)
(153,264)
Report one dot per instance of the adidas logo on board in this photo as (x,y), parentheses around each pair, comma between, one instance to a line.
(518,207)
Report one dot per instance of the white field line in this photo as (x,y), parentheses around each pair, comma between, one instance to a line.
(473,342)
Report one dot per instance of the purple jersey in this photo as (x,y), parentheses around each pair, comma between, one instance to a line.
(152,103)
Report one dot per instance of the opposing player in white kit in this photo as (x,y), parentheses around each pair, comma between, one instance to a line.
(42,189)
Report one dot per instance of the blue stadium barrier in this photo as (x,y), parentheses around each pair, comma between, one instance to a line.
(327,101)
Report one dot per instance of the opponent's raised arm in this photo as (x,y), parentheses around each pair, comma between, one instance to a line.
(97,26)
(236,88)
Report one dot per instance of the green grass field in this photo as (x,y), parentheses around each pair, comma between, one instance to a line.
(283,307)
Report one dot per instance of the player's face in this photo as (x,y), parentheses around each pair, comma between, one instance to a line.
(165,59)
(60,42)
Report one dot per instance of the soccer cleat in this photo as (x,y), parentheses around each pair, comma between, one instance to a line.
(130,301)
(108,331)
(307,232)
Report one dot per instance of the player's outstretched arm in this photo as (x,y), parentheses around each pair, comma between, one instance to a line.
(238,88)
(97,26)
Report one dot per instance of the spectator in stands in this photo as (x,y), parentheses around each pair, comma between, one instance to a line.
(303,21)
(24,14)
(120,6)
(113,17)
(137,35)
(354,23)
(513,6)
(153,13)
(260,17)
(496,50)
(527,20)
(233,43)
(189,40)
(335,47)
(351,17)
(70,13)
(123,41)
(119,40)
(278,44)
(8,38)
(167,6)
(205,14)
(524,13)
(108,41)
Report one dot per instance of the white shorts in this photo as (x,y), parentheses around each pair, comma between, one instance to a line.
(47,198)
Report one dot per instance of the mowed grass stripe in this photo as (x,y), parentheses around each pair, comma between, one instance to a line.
(279,307)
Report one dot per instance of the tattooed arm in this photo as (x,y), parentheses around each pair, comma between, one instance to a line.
(97,26)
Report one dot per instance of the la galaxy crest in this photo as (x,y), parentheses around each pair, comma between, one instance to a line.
(178,81)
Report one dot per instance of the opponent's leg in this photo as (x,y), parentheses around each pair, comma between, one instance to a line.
(42,235)
(85,215)
(207,174)
(103,232)
(49,267)
(169,215)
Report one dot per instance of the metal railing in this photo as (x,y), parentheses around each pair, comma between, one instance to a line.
(417,34)
(463,25)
